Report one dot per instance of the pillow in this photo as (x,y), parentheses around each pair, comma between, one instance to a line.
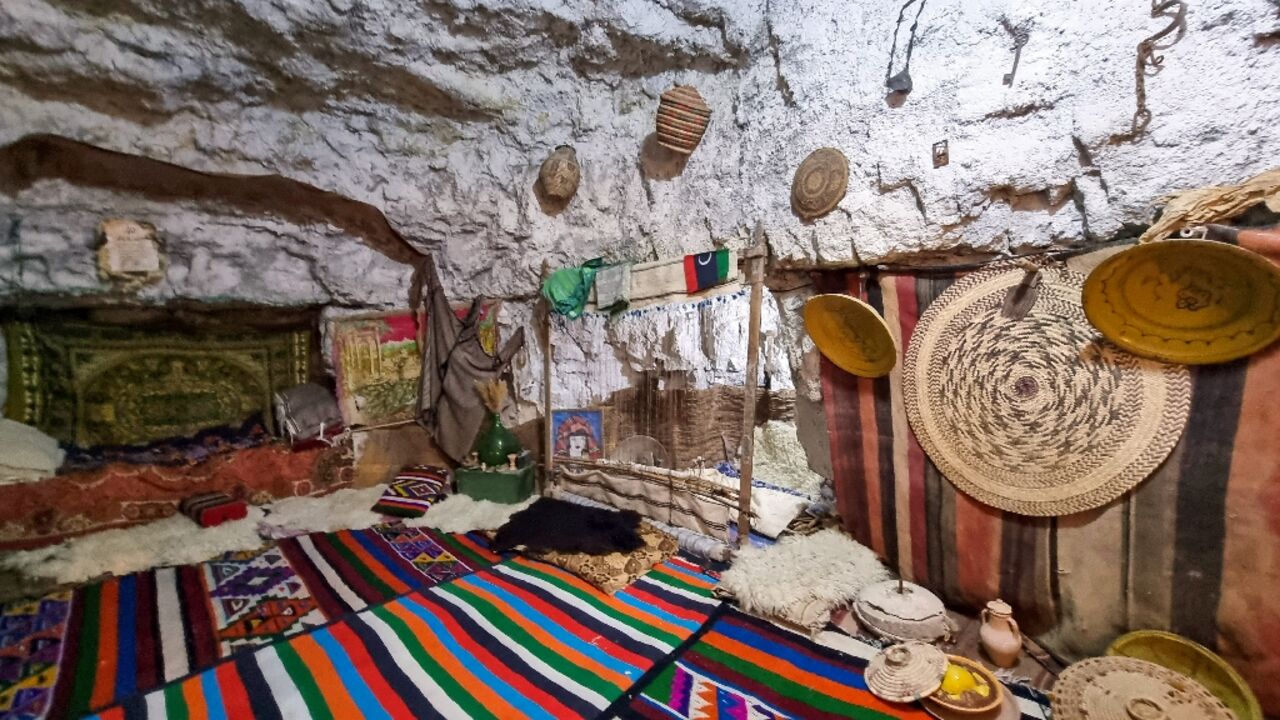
(614,571)
(413,490)
(26,452)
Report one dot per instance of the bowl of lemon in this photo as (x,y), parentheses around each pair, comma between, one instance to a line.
(967,688)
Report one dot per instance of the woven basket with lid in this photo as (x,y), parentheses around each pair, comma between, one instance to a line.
(906,672)
(682,119)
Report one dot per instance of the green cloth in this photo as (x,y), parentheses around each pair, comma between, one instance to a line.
(568,289)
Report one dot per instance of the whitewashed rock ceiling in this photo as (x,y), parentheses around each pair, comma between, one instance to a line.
(439,112)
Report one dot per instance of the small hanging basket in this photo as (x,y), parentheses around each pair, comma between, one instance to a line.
(682,119)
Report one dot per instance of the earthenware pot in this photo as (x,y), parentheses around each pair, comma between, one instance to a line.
(999,634)
(560,173)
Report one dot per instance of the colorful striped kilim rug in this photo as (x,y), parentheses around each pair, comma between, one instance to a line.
(745,668)
(519,640)
(75,652)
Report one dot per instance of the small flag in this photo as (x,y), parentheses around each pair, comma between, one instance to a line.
(706,270)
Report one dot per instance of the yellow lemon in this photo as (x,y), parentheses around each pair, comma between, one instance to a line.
(958,680)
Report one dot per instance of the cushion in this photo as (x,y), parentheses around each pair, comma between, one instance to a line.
(413,490)
(26,453)
(213,508)
(616,570)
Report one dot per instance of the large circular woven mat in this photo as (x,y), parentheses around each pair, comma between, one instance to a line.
(1038,415)
(1114,688)
(820,183)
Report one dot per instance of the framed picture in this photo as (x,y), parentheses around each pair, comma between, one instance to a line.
(578,433)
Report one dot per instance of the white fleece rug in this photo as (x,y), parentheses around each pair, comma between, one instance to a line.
(179,541)
(801,579)
(460,514)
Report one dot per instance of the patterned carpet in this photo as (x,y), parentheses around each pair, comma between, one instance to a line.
(519,640)
(74,652)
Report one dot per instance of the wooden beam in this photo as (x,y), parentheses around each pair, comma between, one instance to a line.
(548,450)
(755,276)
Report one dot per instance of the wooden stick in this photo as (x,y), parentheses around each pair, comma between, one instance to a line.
(755,274)
(548,454)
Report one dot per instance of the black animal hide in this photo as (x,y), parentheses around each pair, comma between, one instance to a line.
(551,525)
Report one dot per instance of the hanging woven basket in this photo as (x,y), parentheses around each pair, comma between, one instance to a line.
(682,119)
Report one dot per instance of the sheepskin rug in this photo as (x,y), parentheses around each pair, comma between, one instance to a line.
(461,513)
(177,540)
(801,579)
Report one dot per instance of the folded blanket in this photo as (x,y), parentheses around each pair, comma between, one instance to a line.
(213,508)
(413,490)
(550,525)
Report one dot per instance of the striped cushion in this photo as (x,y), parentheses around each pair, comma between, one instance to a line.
(413,490)
(213,508)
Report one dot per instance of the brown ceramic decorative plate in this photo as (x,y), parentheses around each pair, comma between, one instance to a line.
(1194,302)
(972,702)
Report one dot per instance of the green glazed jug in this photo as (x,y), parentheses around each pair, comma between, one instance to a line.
(496,443)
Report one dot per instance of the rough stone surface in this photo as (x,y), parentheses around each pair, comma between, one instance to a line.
(439,113)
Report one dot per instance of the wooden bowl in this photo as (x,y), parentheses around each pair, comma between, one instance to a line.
(989,703)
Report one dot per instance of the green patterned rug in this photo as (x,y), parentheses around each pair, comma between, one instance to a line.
(94,385)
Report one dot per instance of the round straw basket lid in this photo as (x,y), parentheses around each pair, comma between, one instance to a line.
(1036,414)
(1121,688)
(907,672)
(851,334)
(1186,301)
(819,183)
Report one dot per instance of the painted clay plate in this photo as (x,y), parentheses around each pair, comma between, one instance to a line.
(1194,302)
(1007,710)
(970,703)
(851,334)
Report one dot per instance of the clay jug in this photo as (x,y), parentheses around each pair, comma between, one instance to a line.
(999,634)
(560,173)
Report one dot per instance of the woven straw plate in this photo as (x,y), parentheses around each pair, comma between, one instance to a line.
(1186,301)
(1036,415)
(1120,688)
(851,334)
(820,183)
(905,673)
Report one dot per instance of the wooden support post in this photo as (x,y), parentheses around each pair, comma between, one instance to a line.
(755,275)
(548,450)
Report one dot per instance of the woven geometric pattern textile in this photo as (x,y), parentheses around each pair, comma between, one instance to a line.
(1036,415)
(93,385)
(519,640)
(413,491)
(76,652)
(31,637)
(747,668)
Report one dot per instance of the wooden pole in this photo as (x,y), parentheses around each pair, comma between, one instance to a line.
(755,275)
(548,454)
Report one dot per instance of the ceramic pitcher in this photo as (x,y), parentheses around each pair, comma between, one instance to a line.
(999,634)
